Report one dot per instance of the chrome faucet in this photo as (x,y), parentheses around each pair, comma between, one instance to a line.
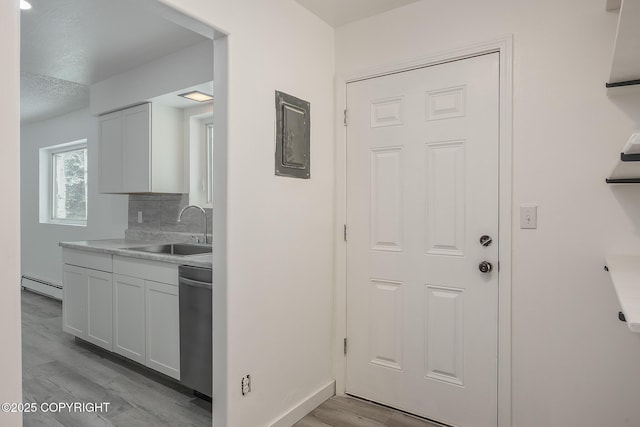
(204,219)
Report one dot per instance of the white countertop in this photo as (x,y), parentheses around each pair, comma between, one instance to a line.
(625,275)
(121,247)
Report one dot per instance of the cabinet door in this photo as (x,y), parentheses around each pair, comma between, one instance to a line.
(136,154)
(100,308)
(128,317)
(74,300)
(167,151)
(111,153)
(163,328)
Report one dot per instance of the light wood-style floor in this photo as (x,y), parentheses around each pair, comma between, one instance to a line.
(349,412)
(57,368)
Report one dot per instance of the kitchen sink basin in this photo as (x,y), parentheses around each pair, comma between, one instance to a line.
(181,249)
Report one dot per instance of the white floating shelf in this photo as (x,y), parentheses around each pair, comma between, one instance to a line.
(625,67)
(625,275)
(627,169)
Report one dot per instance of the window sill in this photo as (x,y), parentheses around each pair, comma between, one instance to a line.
(72,224)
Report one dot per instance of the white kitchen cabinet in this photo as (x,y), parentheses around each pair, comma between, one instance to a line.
(147,311)
(87,298)
(110,153)
(141,150)
(126,305)
(74,301)
(163,331)
(128,317)
(99,286)
(87,312)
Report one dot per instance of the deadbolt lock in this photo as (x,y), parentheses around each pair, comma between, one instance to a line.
(486,240)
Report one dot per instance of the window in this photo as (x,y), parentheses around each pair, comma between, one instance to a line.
(64,169)
(69,199)
(200,157)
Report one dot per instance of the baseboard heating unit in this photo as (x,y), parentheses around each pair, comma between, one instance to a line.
(42,287)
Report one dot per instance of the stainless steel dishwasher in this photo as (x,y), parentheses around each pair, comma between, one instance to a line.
(196,344)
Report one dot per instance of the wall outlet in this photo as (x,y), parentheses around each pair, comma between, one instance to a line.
(246,384)
(139,217)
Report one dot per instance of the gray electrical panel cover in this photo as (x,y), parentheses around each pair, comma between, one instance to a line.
(293,126)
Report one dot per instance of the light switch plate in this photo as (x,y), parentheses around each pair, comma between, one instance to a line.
(528,217)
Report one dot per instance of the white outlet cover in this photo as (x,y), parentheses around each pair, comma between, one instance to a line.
(528,217)
(246,384)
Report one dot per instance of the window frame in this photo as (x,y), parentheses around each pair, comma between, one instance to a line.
(209,162)
(47,169)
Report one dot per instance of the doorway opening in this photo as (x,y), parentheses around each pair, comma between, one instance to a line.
(71,52)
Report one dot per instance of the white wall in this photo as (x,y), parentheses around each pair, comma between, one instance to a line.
(279,230)
(10,356)
(107,214)
(574,363)
(184,68)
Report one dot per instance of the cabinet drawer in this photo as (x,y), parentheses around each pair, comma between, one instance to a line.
(92,260)
(145,269)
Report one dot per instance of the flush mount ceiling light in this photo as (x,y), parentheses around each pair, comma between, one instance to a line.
(196,95)
(25,5)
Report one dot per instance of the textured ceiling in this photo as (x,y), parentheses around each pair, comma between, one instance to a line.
(42,97)
(66,45)
(340,12)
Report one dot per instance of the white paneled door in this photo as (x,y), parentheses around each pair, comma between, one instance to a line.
(422,249)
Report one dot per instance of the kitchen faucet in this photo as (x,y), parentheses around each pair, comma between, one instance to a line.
(204,219)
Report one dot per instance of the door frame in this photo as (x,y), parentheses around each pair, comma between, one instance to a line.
(503,46)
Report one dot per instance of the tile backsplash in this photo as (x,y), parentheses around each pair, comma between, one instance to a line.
(160,218)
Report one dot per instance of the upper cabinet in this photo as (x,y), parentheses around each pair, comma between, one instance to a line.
(625,68)
(141,150)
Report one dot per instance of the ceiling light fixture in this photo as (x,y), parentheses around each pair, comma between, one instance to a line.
(25,5)
(196,95)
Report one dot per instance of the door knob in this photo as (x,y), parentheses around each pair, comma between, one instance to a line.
(485,267)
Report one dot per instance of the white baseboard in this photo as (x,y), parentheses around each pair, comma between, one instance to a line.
(298,412)
(42,287)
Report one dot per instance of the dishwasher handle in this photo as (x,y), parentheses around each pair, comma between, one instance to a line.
(194,283)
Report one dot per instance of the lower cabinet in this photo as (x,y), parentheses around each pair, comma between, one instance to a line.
(128,317)
(132,309)
(74,301)
(163,328)
(99,308)
(146,323)
(87,311)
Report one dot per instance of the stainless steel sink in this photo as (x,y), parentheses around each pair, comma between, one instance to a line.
(181,249)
